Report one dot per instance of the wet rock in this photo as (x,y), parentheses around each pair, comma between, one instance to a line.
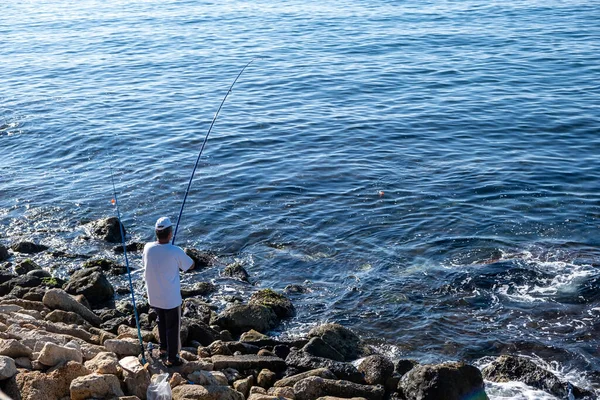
(196,309)
(200,332)
(8,369)
(28,247)
(95,386)
(135,376)
(449,381)
(25,266)
(248,362)
(376,369)
(24,281)
(125,307)
(198,289)
(40,273)
(202,260)
(305,362)
(130,247)
(281,350)
(232,375)
(280,304)
(403,366)
(104,363)
(194,392)
(295,289)
(13,348)
(513,368)
(52,385)
(293,379)
(6,276)
(112,325)
(108,229)
(106,265)
(4,254)
(236,271)
(59,299)
(92,283)
(319,348)
(342,339)
(123,347)
(314,387)
(241,317)
(53,354)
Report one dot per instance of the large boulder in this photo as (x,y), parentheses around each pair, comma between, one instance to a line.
(448,381)
(37,385)
(28,247)
(201,259)
(53,354)
(108,229)
(241,317)
(377,369)
(236,271)
(342,339)
(281,305)
(93,284)
(514,368)
(67,317)
(61,300)
(135,376)
(314,387)
(305,362)
(95,386)
(8,369)
(211,392)
(319,348)
(200,332)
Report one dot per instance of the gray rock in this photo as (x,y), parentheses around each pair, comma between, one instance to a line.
(513,368)
(93,284)
(449,381)
(200,332)
(53,354)
(281,305)
(8,369)
(123,347)
(240,318)
(107,229)
(196,310)
(342,339)
(319,348)
(198,289)
(314,387)
(212,392)
(13,348)
(292,380)
(247,362)
(96,386)
(305,362)
(59,299)
(28,247)
(376,369)
(66,317)
(201,259)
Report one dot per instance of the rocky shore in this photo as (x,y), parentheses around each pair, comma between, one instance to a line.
(70,340)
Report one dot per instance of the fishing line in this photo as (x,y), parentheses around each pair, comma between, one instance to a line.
(202,149)
(137,319)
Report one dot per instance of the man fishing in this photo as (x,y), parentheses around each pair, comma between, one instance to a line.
(162,262)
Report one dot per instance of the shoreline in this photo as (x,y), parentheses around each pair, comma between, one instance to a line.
(46,330)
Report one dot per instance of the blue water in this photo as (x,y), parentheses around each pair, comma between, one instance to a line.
(429,170)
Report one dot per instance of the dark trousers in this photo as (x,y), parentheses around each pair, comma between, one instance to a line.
(169,325)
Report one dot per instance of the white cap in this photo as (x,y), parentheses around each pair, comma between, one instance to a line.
(162,223)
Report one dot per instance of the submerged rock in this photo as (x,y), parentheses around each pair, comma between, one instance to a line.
(4,254)
(130,247)
(26,266)
(28,247)
(236,271)
(108,229)
(449,381)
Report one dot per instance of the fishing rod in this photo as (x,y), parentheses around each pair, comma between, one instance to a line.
(137,319)
(202,149)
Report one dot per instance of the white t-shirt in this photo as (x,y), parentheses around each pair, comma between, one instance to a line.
(162,263)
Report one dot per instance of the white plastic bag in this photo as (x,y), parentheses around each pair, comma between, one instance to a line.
(159,388)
